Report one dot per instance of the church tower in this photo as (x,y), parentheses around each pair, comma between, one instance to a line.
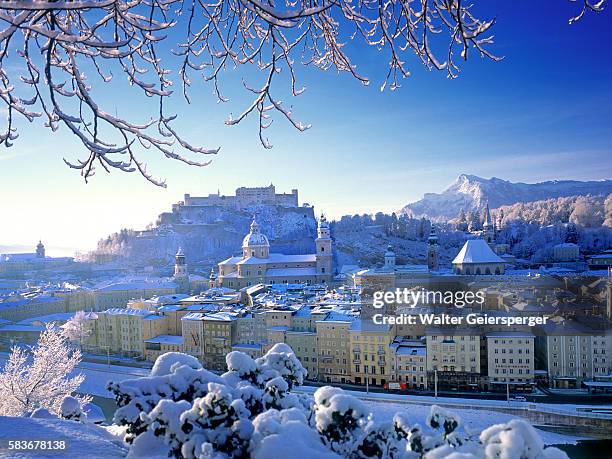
(212,279)
(488,227)
(40,250)
(324,254)
(390,259)
(181,276)
(432,250)
(255,244)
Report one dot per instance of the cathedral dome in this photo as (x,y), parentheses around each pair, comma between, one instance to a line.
(255,238)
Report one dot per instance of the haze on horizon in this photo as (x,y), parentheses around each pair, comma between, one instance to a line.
(540,114)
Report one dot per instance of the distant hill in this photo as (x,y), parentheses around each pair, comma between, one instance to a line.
(209,234)
(471,192)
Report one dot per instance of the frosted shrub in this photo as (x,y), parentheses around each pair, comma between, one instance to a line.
(176,381)
(184,411)
(71,409)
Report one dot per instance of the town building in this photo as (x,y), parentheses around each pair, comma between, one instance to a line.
(370,352)
(477,258)
(12,264)
(511,360)
(601,261)
(257,265)
(124,331)
(409,365)
(453,359)
(573,353)
(568,251)
(333,348)
(158,345)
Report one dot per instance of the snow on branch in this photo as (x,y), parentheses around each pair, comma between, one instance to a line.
(64,50)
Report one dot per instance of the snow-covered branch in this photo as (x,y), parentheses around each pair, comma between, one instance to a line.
(60,52)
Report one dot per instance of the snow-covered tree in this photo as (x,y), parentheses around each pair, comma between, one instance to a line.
(61,52)
(587,212)
(183,411)
(462,222)
(608,211)
(40,377)
(78,328)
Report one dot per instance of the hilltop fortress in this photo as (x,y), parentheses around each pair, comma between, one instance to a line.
(244,197)
(211,227)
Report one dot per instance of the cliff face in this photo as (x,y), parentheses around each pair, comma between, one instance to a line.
(209,234)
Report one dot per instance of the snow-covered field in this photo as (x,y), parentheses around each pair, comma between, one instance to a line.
(81,440)
(97,376)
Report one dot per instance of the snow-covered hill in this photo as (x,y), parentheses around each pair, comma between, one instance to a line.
(471,193)
(208,234)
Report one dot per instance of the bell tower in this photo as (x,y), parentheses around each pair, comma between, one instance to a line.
(324,254)
(40,250)
(212,279)
(181,276)
(390,258)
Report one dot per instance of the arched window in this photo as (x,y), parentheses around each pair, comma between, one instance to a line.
(468,271)
(487,271)
(497,271)
(322,249)
(477,271)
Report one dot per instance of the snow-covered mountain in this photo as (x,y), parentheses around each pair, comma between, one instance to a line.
(471,192)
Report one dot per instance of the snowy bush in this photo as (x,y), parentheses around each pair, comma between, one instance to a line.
(181,410)
(71,409)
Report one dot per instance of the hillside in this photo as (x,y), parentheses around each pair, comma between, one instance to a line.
(209,234)
(471,193)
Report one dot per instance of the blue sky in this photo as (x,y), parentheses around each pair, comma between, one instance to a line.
(542,113)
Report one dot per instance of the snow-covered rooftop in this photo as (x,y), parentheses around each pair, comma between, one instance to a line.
(291,272)
(279,258)
(419,351)
(138,284)
(476,251)
(166,339)
(127,312)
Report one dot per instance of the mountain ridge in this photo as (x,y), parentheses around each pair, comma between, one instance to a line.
(472,192)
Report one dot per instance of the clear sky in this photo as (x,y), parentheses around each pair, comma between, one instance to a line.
(544,112)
